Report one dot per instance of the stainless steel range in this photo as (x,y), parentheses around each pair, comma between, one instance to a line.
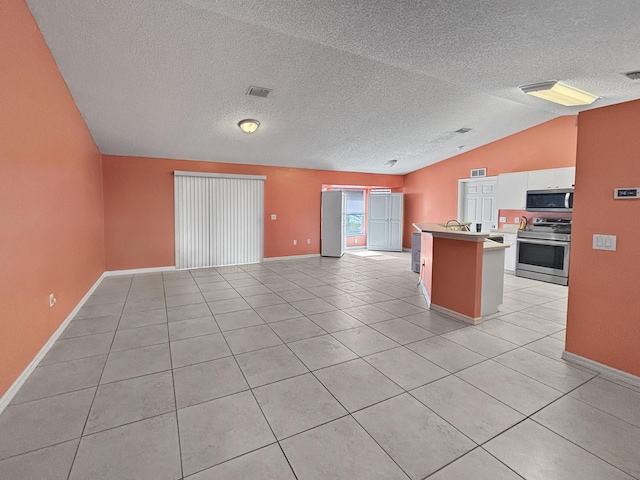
(543,250)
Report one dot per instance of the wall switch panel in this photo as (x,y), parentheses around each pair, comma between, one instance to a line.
(503,219)
(604,242)
(273,216)
(295,242)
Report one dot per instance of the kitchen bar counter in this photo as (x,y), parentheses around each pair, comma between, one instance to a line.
(462,273)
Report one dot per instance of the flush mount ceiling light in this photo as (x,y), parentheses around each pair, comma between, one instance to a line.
(248,125)
(557,92)
(391,163)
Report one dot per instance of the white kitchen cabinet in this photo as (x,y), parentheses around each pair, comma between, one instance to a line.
(551,178)
(510,239)
(512,189)
(564,177)
(384,225)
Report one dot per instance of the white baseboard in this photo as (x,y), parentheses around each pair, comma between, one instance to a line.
(13,389)
(424,292)
(601,368)
(455,315)
(292,257)
(138,271)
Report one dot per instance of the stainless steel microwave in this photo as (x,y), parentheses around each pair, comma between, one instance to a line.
(550,200)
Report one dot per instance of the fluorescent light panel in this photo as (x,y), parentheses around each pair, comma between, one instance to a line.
(557,92)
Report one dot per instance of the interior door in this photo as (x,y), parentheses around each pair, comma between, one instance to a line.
(378,226)
(332,224)
(395,222)
(480,203)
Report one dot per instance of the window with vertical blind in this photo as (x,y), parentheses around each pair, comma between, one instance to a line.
(355,212)
(219,219)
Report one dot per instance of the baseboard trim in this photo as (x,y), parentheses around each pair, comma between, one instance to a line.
(13,389)
(601,368)
(424,292)
(456,315)
(138,271)
(292,257)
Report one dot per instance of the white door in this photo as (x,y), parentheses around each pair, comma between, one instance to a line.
(333,224)
(480,204)
(377,225)
(384,230)
(395,222)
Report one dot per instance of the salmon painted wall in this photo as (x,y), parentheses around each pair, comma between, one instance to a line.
(139,210)
(603,321)
(431,193)
(52,234)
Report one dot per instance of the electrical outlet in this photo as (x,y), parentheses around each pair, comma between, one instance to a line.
(516,220)
(295,242)
(52,300)
(308,241)
(273,216)
(503,219)
(355,240)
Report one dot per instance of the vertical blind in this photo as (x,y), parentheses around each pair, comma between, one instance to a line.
(219,219)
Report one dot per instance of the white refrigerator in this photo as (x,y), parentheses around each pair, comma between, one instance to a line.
(333,224)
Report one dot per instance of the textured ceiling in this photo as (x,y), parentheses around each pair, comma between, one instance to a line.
(355,82)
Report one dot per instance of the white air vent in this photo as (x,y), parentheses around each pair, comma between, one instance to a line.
(259,91)
(478,172)
(633,75)
(380,190)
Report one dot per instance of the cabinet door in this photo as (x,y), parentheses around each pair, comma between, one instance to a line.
(510,253)
(564,177)
(540,179)
(512,191)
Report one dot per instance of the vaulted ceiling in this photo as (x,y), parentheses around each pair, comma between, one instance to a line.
(355,83)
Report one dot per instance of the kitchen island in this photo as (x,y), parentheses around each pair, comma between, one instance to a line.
(461,273)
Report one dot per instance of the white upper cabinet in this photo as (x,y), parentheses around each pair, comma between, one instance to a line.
(551,178)
(512,190)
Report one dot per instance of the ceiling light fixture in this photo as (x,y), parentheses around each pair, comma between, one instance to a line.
(248,125)
(557,92)
(391,163)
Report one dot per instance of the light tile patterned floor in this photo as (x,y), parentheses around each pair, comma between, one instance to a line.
(314,368)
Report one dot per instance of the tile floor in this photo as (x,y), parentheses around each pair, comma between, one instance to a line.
(314,368)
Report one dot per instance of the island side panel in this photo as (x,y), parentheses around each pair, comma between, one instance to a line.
(426,264)
(457,276)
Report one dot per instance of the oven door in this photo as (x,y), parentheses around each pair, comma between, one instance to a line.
(543,256)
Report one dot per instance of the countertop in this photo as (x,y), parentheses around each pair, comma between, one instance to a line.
(440,231)
(491,245)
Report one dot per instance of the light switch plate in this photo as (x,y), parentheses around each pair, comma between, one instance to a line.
(604,242)
(503,219)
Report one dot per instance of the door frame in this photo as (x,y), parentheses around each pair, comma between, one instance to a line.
(461,196)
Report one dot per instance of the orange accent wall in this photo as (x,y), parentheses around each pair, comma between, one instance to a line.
(139,210)
(603,321)
(431,193)
(450,258)
(52,234)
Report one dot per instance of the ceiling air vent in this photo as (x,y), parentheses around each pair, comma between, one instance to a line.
(633,75)
(259,91)
(463,130)
(478,172)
